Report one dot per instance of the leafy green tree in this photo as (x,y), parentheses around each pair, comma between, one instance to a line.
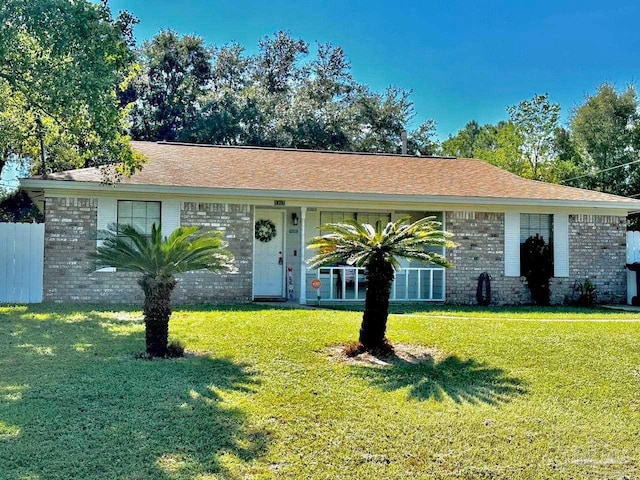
(605,129)
(536,121)
(175,72)
(568,163)
(501,146)
(277,97)
(159,260)
(424,139)
(230,71)
(463,143)
(61,63)
(276,65)
(380,120)
(378,250)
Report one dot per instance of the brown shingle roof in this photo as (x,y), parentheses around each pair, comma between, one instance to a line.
(246,168)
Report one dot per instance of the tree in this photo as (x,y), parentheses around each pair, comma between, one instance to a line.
(501,146)
(498,144)
(378,249)
(463,143)
(282,96)
(380,119)
(61,63)
(569,162)
(424,139)
(175,72)
(276,63)
(536,121)
(158,260)
(606,131)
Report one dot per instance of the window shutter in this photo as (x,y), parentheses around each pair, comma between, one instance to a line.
(170,216)
(561,244)
(512,244)
(107,216)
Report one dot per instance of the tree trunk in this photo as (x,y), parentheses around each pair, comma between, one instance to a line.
(379,274)
(157,310)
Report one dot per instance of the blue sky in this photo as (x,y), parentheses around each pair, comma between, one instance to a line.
(463,60)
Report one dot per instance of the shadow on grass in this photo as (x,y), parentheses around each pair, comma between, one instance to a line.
(464,381)
(74,403)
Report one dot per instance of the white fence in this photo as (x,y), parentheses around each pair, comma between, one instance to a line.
(21,262)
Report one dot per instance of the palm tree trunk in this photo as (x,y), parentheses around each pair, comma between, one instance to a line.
(379,274)
(157,310)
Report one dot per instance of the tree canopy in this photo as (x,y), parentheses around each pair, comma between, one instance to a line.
(606,130)
(72,79)
(285,95)
(61,64)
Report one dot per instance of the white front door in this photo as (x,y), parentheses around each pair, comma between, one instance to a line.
(268,259)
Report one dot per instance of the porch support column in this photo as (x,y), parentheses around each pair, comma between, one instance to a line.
(303,264)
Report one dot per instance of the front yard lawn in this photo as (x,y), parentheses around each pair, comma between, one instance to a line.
(511,393)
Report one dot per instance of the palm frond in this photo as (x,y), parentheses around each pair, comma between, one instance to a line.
(357,244)
(186,249)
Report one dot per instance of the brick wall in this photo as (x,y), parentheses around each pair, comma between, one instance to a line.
(597,246)
(480,239)
(207,287)
(70,234)
(598,250)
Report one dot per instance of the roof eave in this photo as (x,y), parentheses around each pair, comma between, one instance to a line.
(39,184)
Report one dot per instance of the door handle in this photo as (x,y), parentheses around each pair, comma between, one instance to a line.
(280,258)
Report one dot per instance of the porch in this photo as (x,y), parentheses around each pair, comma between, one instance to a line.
(348,284)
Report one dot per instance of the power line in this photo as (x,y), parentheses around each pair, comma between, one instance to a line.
(601,171)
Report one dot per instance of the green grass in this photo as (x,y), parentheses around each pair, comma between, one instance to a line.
(517,393)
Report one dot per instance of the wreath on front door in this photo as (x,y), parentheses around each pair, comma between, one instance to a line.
(265,230)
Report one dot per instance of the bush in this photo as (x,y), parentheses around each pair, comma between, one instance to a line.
(584,293)
(537,262)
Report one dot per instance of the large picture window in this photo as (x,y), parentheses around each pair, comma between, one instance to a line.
(141,215)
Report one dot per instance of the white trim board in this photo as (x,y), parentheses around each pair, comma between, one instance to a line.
(49,185)
(338,205)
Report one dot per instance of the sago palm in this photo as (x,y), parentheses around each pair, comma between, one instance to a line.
(159,260)
(378,249)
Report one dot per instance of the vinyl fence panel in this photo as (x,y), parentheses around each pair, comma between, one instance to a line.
(21,262)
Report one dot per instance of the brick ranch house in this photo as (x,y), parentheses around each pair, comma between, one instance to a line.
(490,211)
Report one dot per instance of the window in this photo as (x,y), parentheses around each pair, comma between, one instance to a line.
(373,218)
(361,217)
(532,224)
(139,214)
(335,217)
